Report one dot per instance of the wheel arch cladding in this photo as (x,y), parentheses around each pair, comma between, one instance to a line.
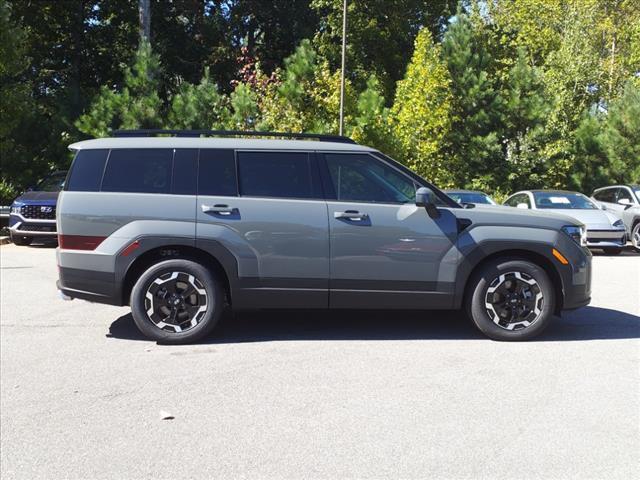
(173,251)
(536,258)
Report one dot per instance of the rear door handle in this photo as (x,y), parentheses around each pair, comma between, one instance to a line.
(351,215)
(219,209)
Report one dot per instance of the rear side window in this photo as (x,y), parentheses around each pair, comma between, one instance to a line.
(277,174)
(217,172)
(86,172)
(138,170)
(608,195)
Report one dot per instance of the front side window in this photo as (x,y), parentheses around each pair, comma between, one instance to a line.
(362,178)
(624,194)
(561,200)
(277,174)
(138,170)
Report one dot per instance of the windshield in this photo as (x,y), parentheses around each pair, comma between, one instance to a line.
(561,200)
(52,183)
(471,197)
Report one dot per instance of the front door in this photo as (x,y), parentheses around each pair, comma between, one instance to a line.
(385,251)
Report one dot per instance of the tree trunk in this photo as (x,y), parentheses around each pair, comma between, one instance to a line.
(144,15)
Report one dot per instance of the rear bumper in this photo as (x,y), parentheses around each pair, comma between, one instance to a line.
(98,287)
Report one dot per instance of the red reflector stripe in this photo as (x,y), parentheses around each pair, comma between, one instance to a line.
(79,242)
(130,248)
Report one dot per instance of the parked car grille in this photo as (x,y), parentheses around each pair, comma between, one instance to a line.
(39,212)
(37,228)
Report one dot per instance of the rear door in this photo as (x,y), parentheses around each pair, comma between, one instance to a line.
(270,213)
(385,251)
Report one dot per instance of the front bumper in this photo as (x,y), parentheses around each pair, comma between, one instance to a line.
(606,238)
(31,227)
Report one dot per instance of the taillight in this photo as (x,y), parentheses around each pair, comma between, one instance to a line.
(79,242)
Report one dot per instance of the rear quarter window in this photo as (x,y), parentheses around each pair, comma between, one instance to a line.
(86,172)
(138,170)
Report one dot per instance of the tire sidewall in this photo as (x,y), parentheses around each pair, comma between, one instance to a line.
(214,298)
(481,282)
(635,230)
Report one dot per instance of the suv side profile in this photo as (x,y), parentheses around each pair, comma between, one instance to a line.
(181,227)
(624,200)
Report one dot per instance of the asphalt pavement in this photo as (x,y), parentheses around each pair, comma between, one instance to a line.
(315,395)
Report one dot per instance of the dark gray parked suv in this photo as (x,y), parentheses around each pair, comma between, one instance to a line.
(179,227)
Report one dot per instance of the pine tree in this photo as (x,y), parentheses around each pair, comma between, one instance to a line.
(371,122)
(421,113)
(136,105)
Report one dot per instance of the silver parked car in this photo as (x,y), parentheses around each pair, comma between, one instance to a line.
(182,227)
(624,200)
(605,230)
(470,197)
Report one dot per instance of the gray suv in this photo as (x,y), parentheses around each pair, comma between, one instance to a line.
(180,227)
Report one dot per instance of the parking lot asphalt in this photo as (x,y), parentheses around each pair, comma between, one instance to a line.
(315,395)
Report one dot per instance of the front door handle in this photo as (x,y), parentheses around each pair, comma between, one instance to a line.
(219,209)
(351,215)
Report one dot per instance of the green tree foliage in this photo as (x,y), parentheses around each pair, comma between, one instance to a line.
(371,125)
(198,107)
(16,107)
(421,113)
(136,105)
(381,34)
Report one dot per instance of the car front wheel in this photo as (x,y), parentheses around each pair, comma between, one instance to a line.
(511,299)
(635,237)
(177,301)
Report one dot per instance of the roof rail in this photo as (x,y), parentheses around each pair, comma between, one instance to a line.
(231,133)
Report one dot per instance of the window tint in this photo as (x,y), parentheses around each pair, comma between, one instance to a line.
(217,172)
(517,199)
(277,174)
(138,170)
(185,167)
(362,178)
(607,195)
(86,172)
(623,193)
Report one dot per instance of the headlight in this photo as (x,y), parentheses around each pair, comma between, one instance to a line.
(578,234)
(15,209)
(618,224)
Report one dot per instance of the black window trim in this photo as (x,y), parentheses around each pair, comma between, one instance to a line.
(313,164)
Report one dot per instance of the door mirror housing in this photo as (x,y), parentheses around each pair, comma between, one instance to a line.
(523,205)
(424,198)
(625,202)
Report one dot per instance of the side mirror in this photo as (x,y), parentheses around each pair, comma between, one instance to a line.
(625,201)
(523,205)
(424,198)
(603,206)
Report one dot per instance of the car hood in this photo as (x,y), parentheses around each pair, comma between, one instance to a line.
(592,219)
(37,197)
(511,216)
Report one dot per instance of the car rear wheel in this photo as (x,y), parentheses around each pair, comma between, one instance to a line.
(635,237)
(177,301)
(511,299)
(21,240)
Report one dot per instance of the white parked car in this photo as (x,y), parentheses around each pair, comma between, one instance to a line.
(624,200)
(605,230)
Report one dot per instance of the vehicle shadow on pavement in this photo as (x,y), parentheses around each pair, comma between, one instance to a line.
(589,323)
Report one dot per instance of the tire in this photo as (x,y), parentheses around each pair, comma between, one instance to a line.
(612,251)
(491,282)
(21,240)
(164,289)
(635,237)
